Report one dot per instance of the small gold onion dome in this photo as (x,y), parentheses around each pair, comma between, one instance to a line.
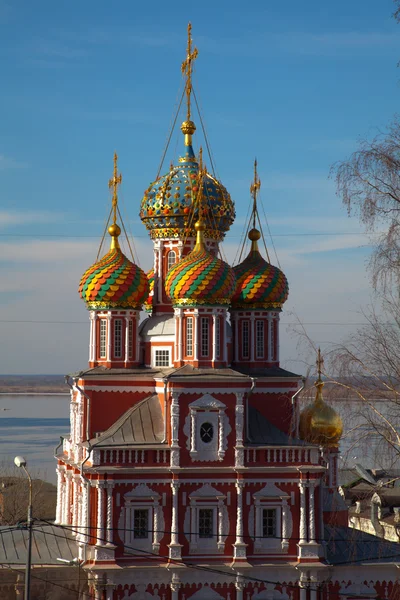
(254,235)
(188,127)
(320,423)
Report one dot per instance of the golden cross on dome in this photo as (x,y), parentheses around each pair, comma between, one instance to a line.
(187,67)
(319,384)
(114,182)
(254,189)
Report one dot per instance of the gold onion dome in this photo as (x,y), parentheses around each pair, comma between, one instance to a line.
(114,281)
(320,423)
(259,284)
(200,278)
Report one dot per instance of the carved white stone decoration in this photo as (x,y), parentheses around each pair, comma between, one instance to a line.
(212,498)
(142,497)
(141,491)
(270,490)
(270,593)
(207,409)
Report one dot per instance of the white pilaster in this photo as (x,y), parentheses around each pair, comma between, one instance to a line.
(303,515)
(220,542)
(108,317)
(311,511)
(252,339)
(75,504)
(196,335)
(239,424)
(239,547)
(109,535)
(193,436)
(285,522)
(270,337)
(100,514)
(67,498)
(127,319)
(60,493)
(174,456)
(175,547)
(214,338)
(91,346)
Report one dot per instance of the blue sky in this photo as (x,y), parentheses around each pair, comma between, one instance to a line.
(295,84)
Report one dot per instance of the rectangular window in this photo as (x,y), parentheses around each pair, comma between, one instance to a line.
(245,339)
(269,523)
(103,338)
(217,337)
(141,523)
(130,339)
(161,358)
(204,336)
(189,336)
(118,338)
(206,523)
(260,339)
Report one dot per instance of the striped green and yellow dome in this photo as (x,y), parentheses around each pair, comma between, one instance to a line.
(148,303)
(114,281)
(200,278)
(259,284)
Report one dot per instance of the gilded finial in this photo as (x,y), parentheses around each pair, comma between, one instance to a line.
(188,127)
(319,384)
(254,189)
(114,230)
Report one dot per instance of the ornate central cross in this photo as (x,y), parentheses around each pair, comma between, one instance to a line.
(114,182)
(187,68)
(254,189)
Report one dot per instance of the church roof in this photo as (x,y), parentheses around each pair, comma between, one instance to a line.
(345,545)
(49,543)
(262,432)
(143,423)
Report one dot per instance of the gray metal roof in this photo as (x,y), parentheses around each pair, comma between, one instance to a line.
(346,545)
(49,542)
(263,432)
(143,423)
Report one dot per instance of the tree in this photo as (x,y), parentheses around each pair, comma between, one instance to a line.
(369,184)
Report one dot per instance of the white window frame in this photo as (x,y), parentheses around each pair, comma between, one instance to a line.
(189,336)
(117,338)
(171,254)
(272,510)
(103,338)
(136,509)
(142,498)
(267,544)
(205,337)
(167,353)
(207,498)
(246,339)
(260,338)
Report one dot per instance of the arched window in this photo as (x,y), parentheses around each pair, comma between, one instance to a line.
(171,259)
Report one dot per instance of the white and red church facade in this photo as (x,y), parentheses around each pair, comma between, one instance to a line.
(186,474)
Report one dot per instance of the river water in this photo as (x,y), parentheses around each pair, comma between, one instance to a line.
(31,426)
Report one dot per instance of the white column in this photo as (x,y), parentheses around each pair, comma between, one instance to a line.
(240,586)
(94,339)
(193,437)
(75,504)
(221,436)
(277,337)
(175,585)
(285,519)
(224,339)
(109,535)
(303,516)
(100,514)
(220,543)
(108,317)
(91,347)
(214,338)
(239,424)
(84,511)
(270,337)
(127,339)
(60,493)
(174,455)
(239,545)
(175,546)
(196,335)
(67,498)
(136,340)
(157,534)
(252,336)
(311,510)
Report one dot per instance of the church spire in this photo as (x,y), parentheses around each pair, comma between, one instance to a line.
(114,230)
(188,127)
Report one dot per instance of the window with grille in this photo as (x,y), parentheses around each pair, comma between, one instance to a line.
(171,259)
(118,338)
(189,336)
(245,339)
(269,523)
(217,337)
(206,523)
(206,432)
(103,338)
(161,358)
(204,336)
(130,339)
(260,339)
(141,523)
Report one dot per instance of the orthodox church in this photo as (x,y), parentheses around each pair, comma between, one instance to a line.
(189,472)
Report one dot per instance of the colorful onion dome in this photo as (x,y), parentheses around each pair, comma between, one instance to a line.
(259,284)
(319,423)
(148,303)
(168,206)
(114,281)
(200,278)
